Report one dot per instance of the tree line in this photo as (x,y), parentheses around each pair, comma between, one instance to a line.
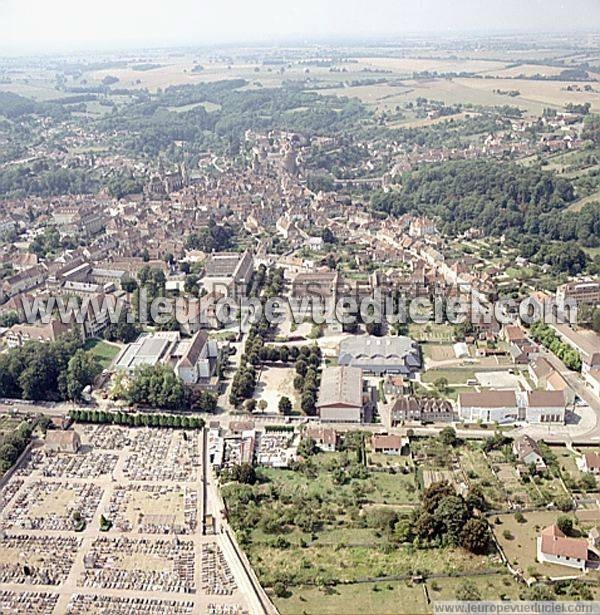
(138,419)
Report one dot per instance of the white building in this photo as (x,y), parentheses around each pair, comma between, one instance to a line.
(545,407)
(488,406)
(553,547)
(197,358)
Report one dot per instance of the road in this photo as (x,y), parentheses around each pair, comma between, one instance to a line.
(258,600)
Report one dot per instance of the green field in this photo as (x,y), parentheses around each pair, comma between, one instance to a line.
(453,376)
(102,351)
(384,597)
(373,598)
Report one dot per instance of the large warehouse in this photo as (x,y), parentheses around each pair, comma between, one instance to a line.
(381,355)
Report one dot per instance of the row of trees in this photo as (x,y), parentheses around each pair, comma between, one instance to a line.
(244,381)
(53,371)
(545,335)
(142,419)
(307,379)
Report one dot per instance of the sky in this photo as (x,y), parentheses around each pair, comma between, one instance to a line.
(60,24)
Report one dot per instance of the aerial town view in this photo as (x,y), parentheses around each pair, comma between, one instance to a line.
(299,307)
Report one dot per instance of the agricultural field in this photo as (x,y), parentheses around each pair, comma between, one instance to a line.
(408,66)
(534,95)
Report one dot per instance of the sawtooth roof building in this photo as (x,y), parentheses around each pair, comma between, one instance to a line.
(381,355)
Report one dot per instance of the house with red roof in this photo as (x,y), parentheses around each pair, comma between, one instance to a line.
(553,547)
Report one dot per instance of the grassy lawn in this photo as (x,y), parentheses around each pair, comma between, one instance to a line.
(385,597)
(102,351)
(579,204)
(519,273)
(393,488)
(378,488)
(453,376)
(295,483)
(497,587)
(389,461)
(375,598)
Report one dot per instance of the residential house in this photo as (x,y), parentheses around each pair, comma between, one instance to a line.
(327,439)
(528,452)
(553,547)
(389,444)
(395,385)
(590,462)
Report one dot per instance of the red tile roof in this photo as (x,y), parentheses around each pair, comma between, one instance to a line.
(554,542)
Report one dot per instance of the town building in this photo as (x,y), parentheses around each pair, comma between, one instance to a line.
(20,334)
(196,359)
(582,292)
(423,410)
(229,273)
(343,397)
(381,355)
(545,407)
(488,406)
(148,349)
